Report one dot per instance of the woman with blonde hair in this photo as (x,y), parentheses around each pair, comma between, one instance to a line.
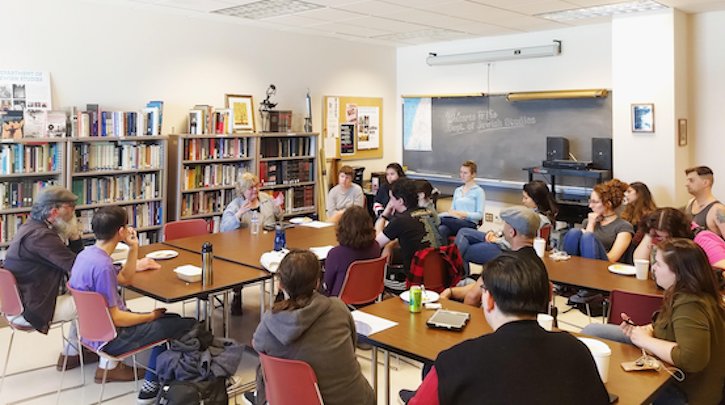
(238,213)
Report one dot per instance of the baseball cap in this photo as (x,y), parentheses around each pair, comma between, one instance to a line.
(55,195)
(524,220)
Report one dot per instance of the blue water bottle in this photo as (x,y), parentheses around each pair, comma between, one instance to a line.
(280,239)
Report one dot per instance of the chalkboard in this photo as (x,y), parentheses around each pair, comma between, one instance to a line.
(502,137)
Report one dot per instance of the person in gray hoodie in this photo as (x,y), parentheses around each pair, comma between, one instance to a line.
(313,328)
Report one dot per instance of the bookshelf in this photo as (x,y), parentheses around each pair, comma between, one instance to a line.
(126,171)
(26,166)
(205,169)
(287,164)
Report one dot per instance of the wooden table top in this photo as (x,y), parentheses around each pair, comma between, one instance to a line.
(163,285)
(593,274)
(414,339)
(242,247)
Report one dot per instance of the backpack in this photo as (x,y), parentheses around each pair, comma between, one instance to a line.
(209,392)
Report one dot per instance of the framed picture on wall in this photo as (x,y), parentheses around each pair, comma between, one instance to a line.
(682,132)
(242,107)
(643,117)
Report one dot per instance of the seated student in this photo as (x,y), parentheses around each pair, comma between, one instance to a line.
(706,211)
(519,363)
(605,235)
(344,195)
(688,331)
(638,204)
(468,203)
(356,237)
(94,271)
(238,214)
(318,330)
(425,200)
(393,172)
(410,225)
(519,230)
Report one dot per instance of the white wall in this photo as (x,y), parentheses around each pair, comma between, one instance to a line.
(707,96)
(122,57)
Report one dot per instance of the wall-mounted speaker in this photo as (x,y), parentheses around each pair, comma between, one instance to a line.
(557,148)
(602,153)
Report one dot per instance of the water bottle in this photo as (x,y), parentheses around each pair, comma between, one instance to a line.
(207,272)
(280,238)
(254,223)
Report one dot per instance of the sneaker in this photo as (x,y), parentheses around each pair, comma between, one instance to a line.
(405,395)
(250,397)
(148,393)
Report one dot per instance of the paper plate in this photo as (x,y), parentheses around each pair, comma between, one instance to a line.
(162,254)
(623,269)
(300,220)
(430,296)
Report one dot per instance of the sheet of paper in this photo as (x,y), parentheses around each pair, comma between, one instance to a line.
(318,224)
(321,251)
(367,324)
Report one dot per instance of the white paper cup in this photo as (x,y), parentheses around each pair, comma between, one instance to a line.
(601,353)
(540,246)
(546,321)
(642,268)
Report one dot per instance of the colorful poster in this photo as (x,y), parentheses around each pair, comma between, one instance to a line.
(417,124)
(21,90)
(368,127)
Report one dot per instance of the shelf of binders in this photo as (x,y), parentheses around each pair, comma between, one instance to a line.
(27,166)
(129,172)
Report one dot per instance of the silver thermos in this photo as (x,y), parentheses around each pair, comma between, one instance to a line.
(207,272)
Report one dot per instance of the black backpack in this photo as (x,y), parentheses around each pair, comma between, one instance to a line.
(209,392)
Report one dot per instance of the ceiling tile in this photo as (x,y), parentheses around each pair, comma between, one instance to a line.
(196,5)
(373,7)
(330,14)
(482,29)
(428,18)
(349,29)
(385,24)
(293,20)
(474,11)
(415,3)
(538,7)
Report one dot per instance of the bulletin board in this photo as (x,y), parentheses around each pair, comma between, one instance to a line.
(366,114)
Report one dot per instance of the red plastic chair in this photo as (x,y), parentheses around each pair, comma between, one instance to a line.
(639,307)
(545,233)
(185,228)
(12,306)
(364,281)
(289,382)
(95,323)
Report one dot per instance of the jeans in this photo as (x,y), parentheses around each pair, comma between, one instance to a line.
(451,225)
(606,331)
(169,326)
(474,248)
(584,244)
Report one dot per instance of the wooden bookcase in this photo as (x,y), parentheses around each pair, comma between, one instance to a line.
(26,166)
(130,172)
(204,170)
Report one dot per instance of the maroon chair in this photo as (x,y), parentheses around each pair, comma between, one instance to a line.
(185,228)
(639,307)
(545,233)
(364,281)
(289,382)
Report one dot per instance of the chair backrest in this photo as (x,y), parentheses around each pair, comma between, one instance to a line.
(434,272)
(10,303)
(289,382)
(545,233)
(185,228)
(94,320)
(364,281)
(639,307)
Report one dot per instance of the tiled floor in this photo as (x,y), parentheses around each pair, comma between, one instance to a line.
(34,350)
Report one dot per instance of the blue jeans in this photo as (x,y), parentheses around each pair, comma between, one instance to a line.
(606,331)
(451,225)
(169,326)
(474,248)
(584,244)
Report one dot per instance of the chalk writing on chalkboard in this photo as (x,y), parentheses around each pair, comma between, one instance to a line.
(347,139)
(459,123)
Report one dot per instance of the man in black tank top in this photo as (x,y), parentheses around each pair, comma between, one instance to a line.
(705,210)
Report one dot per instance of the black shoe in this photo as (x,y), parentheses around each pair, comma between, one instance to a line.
(237,304)
(251,396)
(364,346)
(406,395)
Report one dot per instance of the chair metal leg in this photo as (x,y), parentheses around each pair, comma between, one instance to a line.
(7,358)
(135,373)
(103,385)
(63,340)
(225,313)
(262,291)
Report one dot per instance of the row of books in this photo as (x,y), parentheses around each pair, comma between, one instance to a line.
(95,122)
(286,171)
(286,147)
(139,216)
(21,194)
(109,189)
(203,149)
(205,202)
(204,119)
(212,175)
(33,124)
(9,225)
(297,199)
(20,158)
(116,156)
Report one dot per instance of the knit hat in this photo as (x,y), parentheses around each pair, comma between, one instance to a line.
(524,220)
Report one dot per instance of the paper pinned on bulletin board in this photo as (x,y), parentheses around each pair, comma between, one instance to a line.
(21,90)
(368,125)
(333,117)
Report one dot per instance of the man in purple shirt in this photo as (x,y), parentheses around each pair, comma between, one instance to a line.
(94,271)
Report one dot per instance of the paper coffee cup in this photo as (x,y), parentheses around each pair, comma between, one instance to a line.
(642,268)
(546,321)
(540,246)
(601,353)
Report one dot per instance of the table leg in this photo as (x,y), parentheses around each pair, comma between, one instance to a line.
(386,361)
(225,313)
(208,310)
(374,369)
(271,292)
(261,298)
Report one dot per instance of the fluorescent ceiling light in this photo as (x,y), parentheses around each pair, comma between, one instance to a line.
(267,9)
(603,11)
(491,56)
(433,33)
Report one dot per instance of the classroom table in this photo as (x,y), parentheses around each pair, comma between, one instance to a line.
(593,274)
(414,339)
(163,284)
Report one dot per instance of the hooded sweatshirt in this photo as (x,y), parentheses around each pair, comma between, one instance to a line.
(322,334)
